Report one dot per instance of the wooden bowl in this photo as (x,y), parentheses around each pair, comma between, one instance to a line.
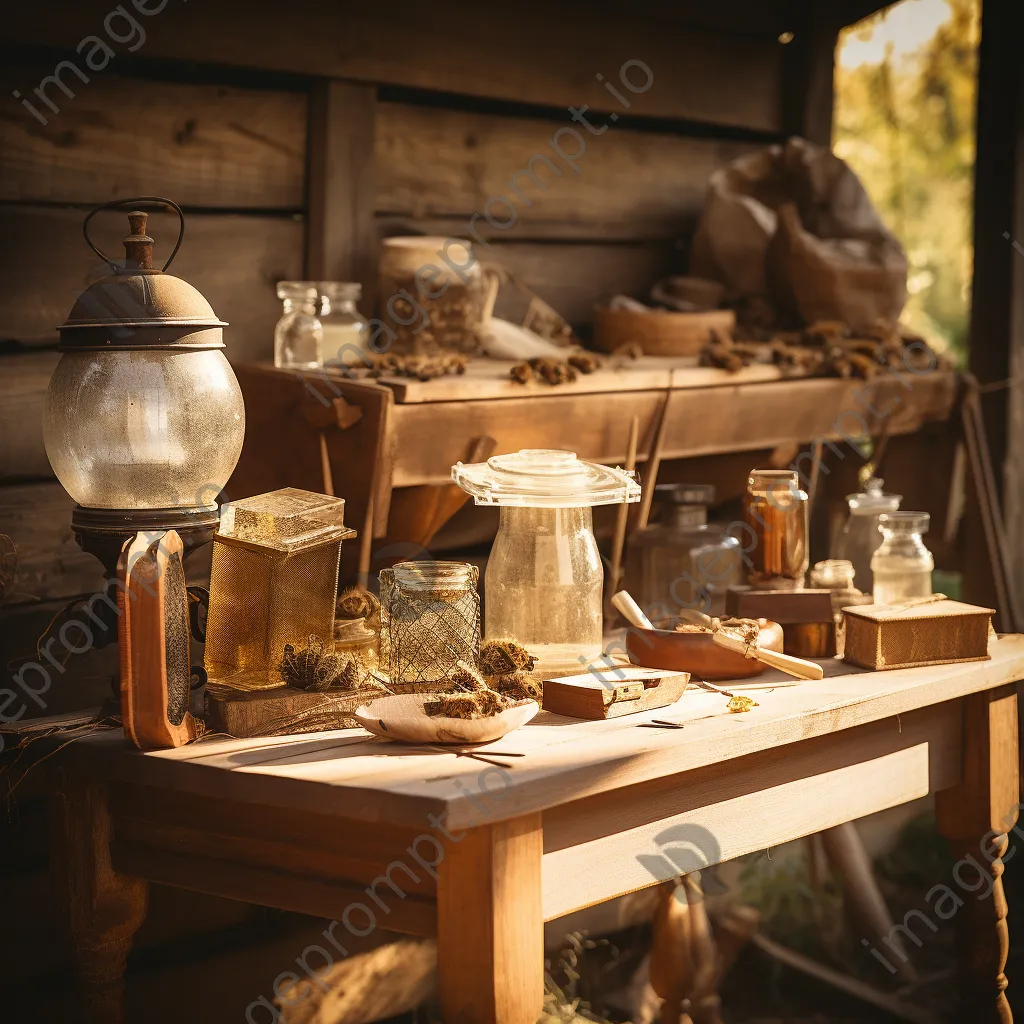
(401,717)
(697,653)
(660,332)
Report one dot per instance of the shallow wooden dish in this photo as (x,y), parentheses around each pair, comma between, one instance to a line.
(660,332)
(697,653)
(401,717)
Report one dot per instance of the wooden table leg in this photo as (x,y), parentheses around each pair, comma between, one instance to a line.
(102,909)
(975,816)
(490,925)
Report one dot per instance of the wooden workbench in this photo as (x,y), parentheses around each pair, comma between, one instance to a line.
(341,825)
(410,433)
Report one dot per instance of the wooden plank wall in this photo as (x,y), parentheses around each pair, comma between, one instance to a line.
(294,146)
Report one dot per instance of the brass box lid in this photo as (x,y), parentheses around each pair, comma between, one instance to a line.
(285,520)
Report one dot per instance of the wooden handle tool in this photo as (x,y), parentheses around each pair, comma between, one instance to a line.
(631,611)
(798,667)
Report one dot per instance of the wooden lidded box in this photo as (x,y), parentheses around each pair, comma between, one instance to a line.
(613,693)
(908,635)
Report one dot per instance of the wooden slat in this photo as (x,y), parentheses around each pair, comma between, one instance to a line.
(50,564)
(267,886)
(345,773)
(340,239)
(235,261)
(432,437)
(200,145)
(436,168)
(543,54)
(25,379)
(705,816)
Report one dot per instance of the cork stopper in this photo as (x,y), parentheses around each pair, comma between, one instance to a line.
(138,246)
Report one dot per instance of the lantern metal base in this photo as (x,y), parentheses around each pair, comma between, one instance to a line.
(102,531)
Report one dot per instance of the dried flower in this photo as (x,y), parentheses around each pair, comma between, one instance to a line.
(317,668)
(521,373)
(466,679)
(585,362)
(739,704)
(519,686)
(502,656)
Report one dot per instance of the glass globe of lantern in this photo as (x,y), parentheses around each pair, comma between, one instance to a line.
(143,413)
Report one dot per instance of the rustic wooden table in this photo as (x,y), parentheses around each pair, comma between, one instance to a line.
(425,842)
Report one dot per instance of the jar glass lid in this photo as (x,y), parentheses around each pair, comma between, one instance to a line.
(873,499)
(545,478)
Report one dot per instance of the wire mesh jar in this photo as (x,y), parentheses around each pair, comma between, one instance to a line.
(430,621)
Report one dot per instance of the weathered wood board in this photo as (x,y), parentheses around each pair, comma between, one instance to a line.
(200,145)
(235,261)
(545,54)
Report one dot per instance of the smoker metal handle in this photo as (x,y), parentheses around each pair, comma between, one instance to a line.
(128,202)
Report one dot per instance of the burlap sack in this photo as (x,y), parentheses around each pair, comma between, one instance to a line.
(793,223)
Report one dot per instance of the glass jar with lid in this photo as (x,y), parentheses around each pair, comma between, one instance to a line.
(683,561)
(861,537)
(544,579)
(298,337)
(902,566)
(344,340)
(775,511)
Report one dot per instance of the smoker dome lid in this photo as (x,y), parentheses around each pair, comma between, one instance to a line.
(545,478)
(873,500)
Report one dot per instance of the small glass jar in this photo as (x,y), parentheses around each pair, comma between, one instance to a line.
(355,637)
(902,566)
(775,510)
(343,325)
(861,537)
(433,294)
(298,337)
(683,561)
(430,621)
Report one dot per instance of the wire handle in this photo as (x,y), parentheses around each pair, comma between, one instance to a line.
(126,202)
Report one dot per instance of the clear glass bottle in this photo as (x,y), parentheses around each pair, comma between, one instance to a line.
(902,566)
(298,337)
(344,339)
(837,576)
(861,537)
(683,560)
(354,636)
(544,577)
(429,621)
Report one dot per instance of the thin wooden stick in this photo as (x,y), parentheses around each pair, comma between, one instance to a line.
(654,462)
(619,540)
(325,465)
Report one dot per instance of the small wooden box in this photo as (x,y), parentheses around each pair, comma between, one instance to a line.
(614,693)
(808,626)
(906,636)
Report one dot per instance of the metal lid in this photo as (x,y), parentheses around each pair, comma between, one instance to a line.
(685,494)
(138,306)
(545,478)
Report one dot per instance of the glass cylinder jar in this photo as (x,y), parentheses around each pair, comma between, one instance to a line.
(430,621)
(144,428)
(433,294)
(344,338)
(544,585)
(544,576)
(861,537)
(775,510)
(682,561)
(298,337)
(902,566)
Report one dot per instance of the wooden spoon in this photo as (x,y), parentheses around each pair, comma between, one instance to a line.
(798,667)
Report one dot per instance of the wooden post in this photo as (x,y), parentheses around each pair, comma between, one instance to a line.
(975,816)
(807,73)
(102,909)
(490,925)
(340,233)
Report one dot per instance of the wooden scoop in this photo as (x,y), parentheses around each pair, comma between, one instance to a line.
(798,667)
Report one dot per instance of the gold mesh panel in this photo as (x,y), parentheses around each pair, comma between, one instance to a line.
(940,634)
(260,601)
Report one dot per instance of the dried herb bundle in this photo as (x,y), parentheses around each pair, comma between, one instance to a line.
(317,668)
(418,367)
(519,686)
(502,656)
(481,704)
(555,371)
